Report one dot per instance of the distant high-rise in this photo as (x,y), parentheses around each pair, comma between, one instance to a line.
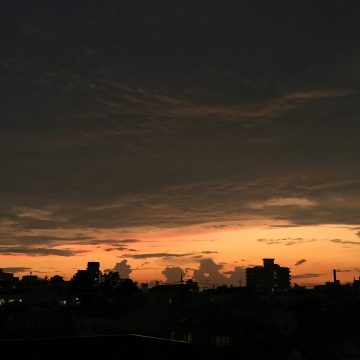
(270,276)
(93,266)
(89,278)
(94,273)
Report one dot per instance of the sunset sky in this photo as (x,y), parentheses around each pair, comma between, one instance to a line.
(200,135)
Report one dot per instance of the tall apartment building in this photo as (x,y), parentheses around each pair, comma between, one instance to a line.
(270,276)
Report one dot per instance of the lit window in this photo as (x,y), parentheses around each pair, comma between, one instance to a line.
(188,338)
(220,340)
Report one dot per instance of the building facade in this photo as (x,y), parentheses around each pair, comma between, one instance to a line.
(270,276)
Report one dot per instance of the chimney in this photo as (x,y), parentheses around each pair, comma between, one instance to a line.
(334,273)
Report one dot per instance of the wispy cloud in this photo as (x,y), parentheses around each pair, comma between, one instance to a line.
(301,202)
(345,242)
(285,241)
(16,269)
(344,270)
(156,255)
(17,250)
(306,276)
(141,102)
(226,200)
(166,255)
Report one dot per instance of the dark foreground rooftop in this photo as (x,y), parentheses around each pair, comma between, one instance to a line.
(96,347)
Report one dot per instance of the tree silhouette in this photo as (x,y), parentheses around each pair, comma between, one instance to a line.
(81,281)
(111,281)
(127,286)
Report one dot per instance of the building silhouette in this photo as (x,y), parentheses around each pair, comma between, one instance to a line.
(251,322)
(93,270)
(89,278)
(6,276)
(176,294)
(270,276)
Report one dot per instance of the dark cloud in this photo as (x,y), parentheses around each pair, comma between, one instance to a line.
(118,248)
(8,238)
(209,273)
(300,262)
(285,241)
(111,126)
(123,241)
(38,251)
(156,255)
(344,270)
(173,274)
(166,255)
(15,270)
(345,242)
(35,240)
(218,226)
(237,276)
(197,257)
(306,276)
(122,247)
(123,268)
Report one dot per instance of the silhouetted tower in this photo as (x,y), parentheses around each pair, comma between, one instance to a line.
(94,273)
(268,263)
(93,266)
(335,280)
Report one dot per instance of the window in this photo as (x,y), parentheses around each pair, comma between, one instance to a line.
(188,338)
(220,340)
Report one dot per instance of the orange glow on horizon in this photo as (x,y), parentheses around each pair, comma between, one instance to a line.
(232,244)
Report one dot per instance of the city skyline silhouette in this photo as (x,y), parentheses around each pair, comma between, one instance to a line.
(267,315)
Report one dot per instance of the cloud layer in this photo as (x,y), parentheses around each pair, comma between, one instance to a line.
(125,119)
